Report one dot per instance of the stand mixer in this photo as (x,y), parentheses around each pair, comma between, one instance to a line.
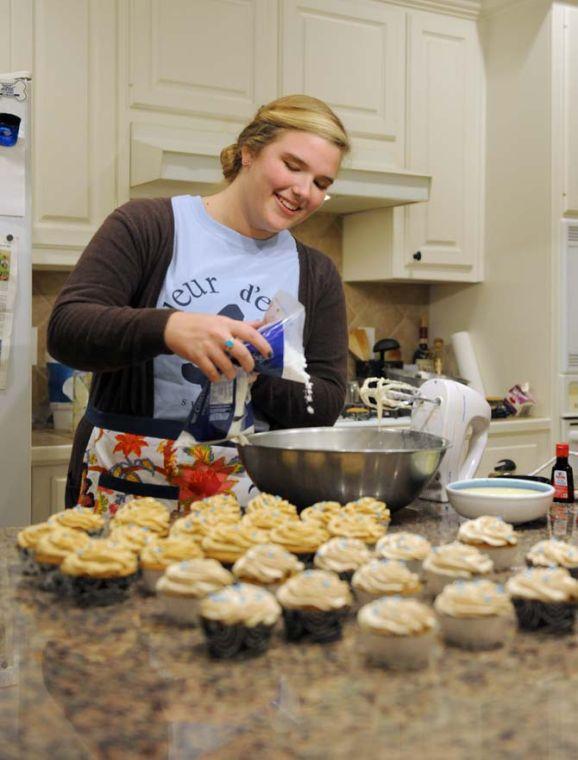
(445,408)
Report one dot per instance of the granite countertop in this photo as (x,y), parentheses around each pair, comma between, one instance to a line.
(119,682)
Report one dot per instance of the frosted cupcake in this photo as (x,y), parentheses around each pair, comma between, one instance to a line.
(409,548)
(314,604)
(266,565)
(26,541)
(99,573)
(226,501)
(493,537)
(79,518)
(544,599)
(238,620)
(131,537)
(452,562)
(145,514)
(554,554)
(300,538)
(397,633)
(383,577)
(227,543)
(268,501)
(267,519)
(349,525)
(189,526)
(158,554)
(321,512)
(474,614)
(342,556)
(370,506)
(51,550)
(184,584)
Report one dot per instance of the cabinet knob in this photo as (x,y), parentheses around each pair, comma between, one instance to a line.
(417,255)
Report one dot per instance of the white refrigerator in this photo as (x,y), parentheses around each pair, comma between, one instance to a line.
(15,299)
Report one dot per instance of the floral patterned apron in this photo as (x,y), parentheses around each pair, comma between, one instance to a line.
(129,456)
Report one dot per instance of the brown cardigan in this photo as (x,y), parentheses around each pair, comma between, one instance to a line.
(105,320)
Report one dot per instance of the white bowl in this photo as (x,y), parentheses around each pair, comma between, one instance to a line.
(517,501)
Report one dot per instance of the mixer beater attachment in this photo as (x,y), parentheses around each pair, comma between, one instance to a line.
(380,392)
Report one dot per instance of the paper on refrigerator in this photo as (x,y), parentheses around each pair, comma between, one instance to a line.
(8,280)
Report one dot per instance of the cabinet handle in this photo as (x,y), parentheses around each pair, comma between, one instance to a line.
(417,255)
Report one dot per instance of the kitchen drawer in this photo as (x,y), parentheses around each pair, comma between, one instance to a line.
(528,449)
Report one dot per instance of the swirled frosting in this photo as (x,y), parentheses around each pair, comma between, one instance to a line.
(321,512)
(268,501)
(28,537)
(394,616)
(342,555)
(361,526)
(242,603)
(189,526)
(78,518)
(403,546)
(267,519)
(544,584)
(299,537)
(472,599)
(131,537)
(383,576)
(458,559)
(162,552)
(145,503)
(145,517)
(315,589)
(487,530)
(266,563)
(222,500)
(229,542)
(368,505)
(55,545)
(195,578)
(547,553)
(100,559)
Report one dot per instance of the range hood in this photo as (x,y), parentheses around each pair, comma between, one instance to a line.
(188,159)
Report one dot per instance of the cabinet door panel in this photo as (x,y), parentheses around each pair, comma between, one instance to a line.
(445,140)
(350,54)
(571,111)
(75,146)
(213,57)
(528,451)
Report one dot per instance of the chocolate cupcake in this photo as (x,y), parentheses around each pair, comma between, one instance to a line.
(159,553)
(554,553)
(267,565)
(99,574)
(409,548)
(314,604)
(26,541)
(79,518)
(493,537)
(51,551)
(342,556)
(300,538)
(238,620)
(544,599)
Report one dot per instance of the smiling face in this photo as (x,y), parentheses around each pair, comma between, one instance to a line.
(287,181)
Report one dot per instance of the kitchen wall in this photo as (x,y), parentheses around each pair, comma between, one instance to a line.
(394,310)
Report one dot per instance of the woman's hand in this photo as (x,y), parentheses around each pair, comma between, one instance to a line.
(202,339)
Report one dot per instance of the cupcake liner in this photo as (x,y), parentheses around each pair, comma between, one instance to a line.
(314,625)
(149,578)
(547,617)
(503,557)
(474,633)
(96,592)
(436,582)
(29,565)
(227,641)
(182,610)
(398,652)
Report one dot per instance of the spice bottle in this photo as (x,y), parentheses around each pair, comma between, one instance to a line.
(562,516)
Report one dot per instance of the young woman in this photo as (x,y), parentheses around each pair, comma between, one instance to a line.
(169,289)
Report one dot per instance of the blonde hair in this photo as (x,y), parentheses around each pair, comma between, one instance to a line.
(298,112)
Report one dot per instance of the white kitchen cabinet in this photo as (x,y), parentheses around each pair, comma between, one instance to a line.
(440,240)
(208,57)
(351,54)
(48,490)
(569,126)
(526,442)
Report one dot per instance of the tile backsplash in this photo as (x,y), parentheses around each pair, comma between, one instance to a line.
(393,309)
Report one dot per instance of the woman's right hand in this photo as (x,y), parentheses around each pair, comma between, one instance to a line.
(201,339)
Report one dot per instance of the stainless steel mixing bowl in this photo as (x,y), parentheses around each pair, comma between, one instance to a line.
(305,465)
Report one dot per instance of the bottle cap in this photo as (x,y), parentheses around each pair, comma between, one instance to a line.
(562,449)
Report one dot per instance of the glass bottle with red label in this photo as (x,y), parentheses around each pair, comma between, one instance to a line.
(562,515)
